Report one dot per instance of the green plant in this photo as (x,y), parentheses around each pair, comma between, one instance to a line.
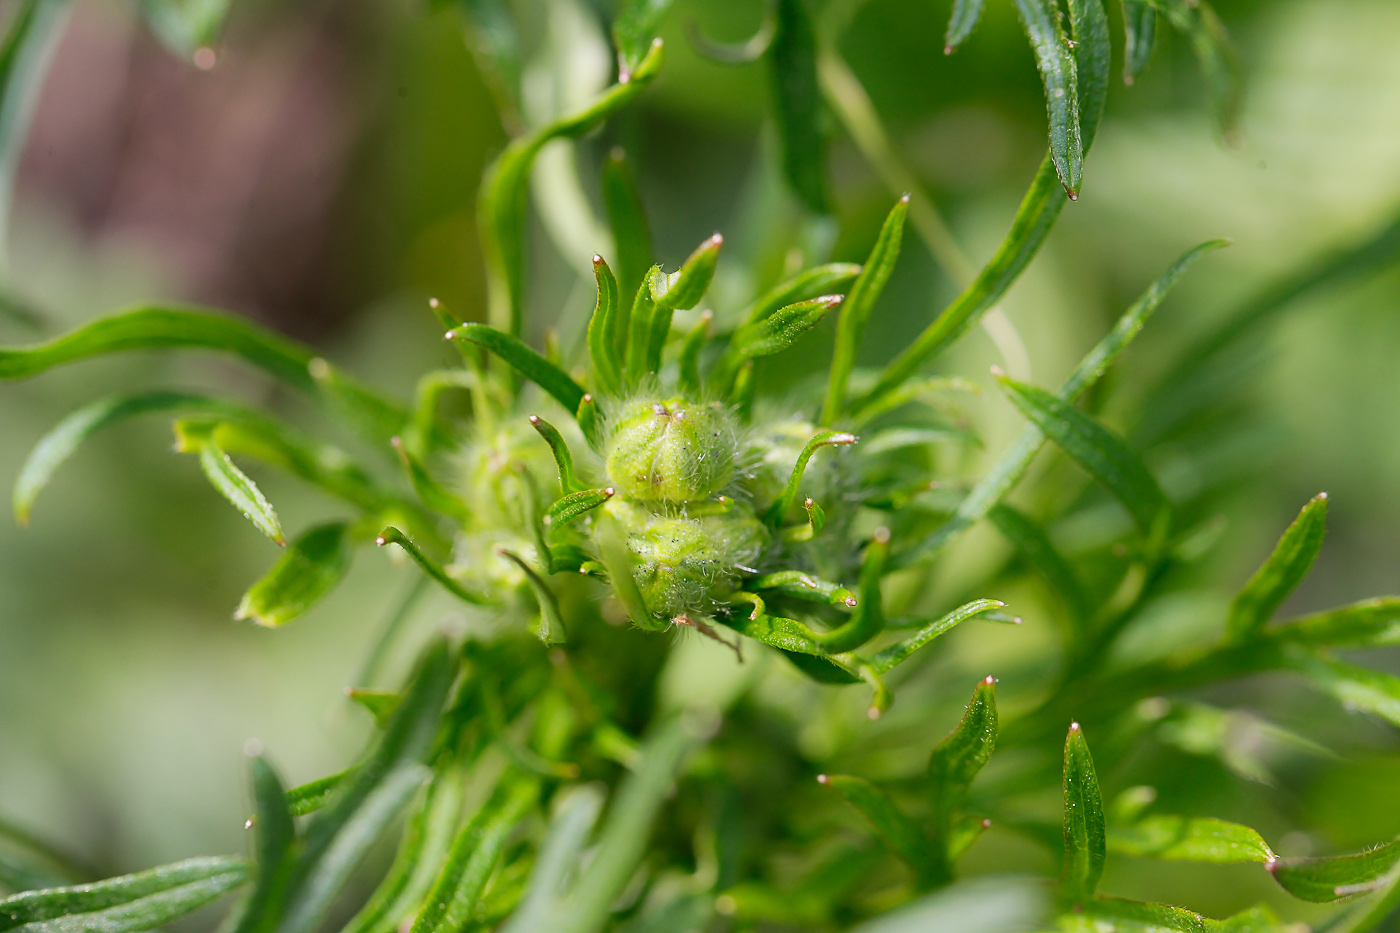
(651,466)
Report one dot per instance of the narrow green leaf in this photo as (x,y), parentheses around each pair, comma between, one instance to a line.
(1084,823)
(1105,455)
(1139,32)
(186,27)
(855,310)
(623,839)
(868,620)
(688,364)
(639,327)
(432,568)
(495,45)
(1368,623)
(575,504)
(679,291)
(1054,57)
(567,835)
(276,836)
(634,31)
(551,623)
(309,569)
(430,492)
(1093,63)
(1220,63)
(502,202)
(1336,876)
(453,899)
(568,480)
(1007,471)
(379,703)
(1035,545)
(901,834)
(602,329)
(966,13)
(798,585)
(631,234)
(313,795)
(960,756)
(900,651)
(778,511)
(1189,839)
(238,489)
(773,334)
(126,904)
(1356,688)
(812,283)
(797,104)
(1280,575)
(590,422)
(523,360)
(1116,915)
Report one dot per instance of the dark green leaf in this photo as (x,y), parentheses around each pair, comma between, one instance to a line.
(900,833)
(1004,474)
(966,13)
(1336,876)
(1084,823)
(1190,839)
(523,360)
(429,566)
(1105,455)
(869,618)
(1093,62)
(602,332)
(313,795)
(788,497)
(276,836)
(1139,31)
(1054,57)
(130,903)
(314,564)
(1280,575)
(1220,64)
(678,291)
(237,488)
(1364,624)
(797,104)
(855,310)
(495,44)
(631,234)
(1032,541)
(773,334)
(898,652)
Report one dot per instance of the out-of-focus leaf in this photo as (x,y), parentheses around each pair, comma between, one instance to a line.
(855,310)
(309,569)
(1286,567)
(1105,455)
(430,492)
(811,283)
(429,566)
(964,19)
(788,497)
(773,334)
(186,25)
(901,834)
(899,651)
(617,558)
(1356,688)
(28,862)
(1115,915)
(550,627)
(797,104)
(1084,823)
(502,203)
(1008,469)
(688,363)
(495,45)
(1032,541)
(631,234)
(313,795)
(602,332)
(523,360)
(960,756)
(623,838)
(568,833)
(1337,876)
(276,836)
(127,904)
(1220,63)
(1369,622)
(1244,743)
(232,483)
(1190,839)
(1257,919)
(1054,57)
(476,850)
(993,904)
(1139,31)
(634,30)
(379,703)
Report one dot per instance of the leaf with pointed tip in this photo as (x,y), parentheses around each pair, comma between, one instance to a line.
(1333,877)
(568,480)
(631,234)
(430,492)
(900,651)
(1356,688)
(1371,622)
(960,756)
(1054,57)
(1116,915)
(379,703)
(1037,548)
(1139,32)
(1093,63)
(1105,455)
(126,904)
(1084,823)
(634,30)
(1189,839)
(678,291)
(788,497)
(602,330)
(235,486)
(855,310)
(313,795)
(309,569)
(900,833)
(773,334)
(812,283)
(1280,575)
(964,19)
(550,628)
(432,568)
(523,360)
(185,27)
(575,504)
(797,104)
(276,837)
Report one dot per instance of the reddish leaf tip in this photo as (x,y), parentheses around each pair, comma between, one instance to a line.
(248,823)
(998,372)
(380,540)
(1074,727)
(1073,195)
(434,303)
(986,823)
(881,535)
(1321,497)
(534,419)
(947,50)
(597,260)
(904,198)
(609,492)
(989,680)
(850,602)
(717,239)
(588,398)
(823,779)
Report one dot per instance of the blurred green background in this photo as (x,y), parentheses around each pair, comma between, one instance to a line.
(321,177)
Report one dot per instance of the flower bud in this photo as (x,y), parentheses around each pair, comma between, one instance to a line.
(671,451)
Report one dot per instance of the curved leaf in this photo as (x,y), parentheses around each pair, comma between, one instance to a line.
(1189,839)
(309,569)
(1370,622)
(1337,876)
(1286,567)
(964,19)
(897,653)
(1054,57)
(631,234)
(901,834)
(235,486)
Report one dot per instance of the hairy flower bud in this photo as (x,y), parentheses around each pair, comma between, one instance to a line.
(671,451)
